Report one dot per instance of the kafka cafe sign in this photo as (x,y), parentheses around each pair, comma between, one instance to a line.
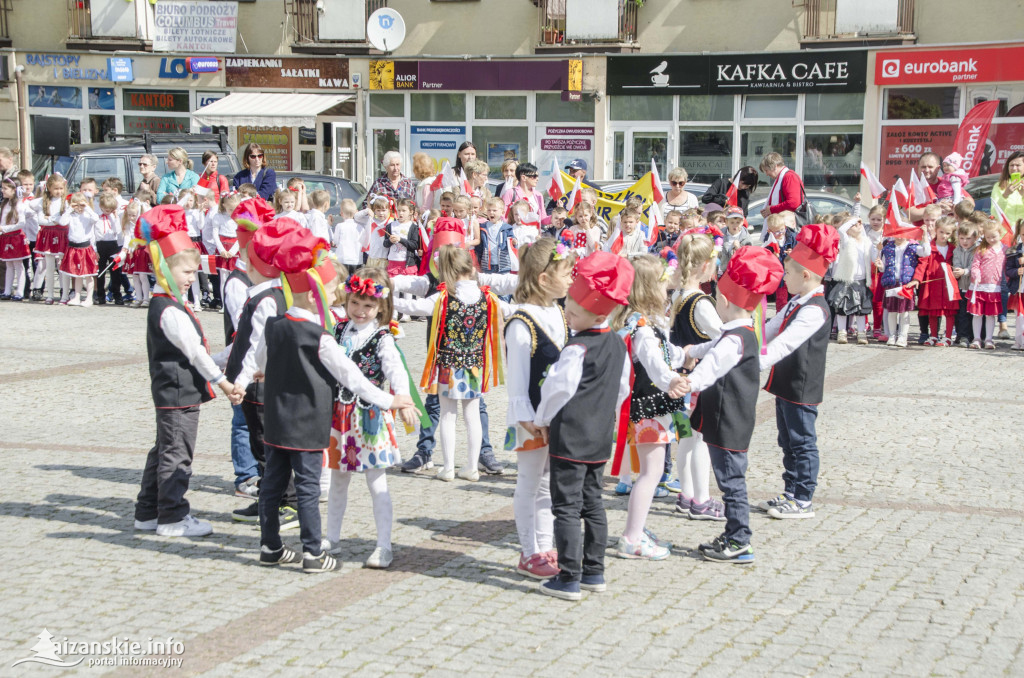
(827,72)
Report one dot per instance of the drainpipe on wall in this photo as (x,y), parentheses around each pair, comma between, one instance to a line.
(24,141)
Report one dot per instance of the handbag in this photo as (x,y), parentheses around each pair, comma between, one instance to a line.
(805,212)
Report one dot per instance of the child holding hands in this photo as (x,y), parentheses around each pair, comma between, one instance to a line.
(987,267)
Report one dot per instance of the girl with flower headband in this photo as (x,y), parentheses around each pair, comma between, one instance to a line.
(52,239)
(649,419)
(363,435)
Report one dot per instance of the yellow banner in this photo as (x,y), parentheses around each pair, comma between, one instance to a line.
(610,204)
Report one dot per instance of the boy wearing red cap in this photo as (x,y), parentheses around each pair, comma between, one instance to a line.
(797,338)
(299,389)
(579,398)
(728,379)
(181,371)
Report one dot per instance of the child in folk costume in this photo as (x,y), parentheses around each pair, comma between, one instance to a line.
(464,352)
(13,242)
(938,293)
(984,302)
(897,264)
(850,295)
(363,435)
(181,371)
(797,339)
(695,321)
(1015,283)
(135,254)
(534,336)
(727,378)
(875,233)
(584,236)
(80,261)
(649,424)
(52,239)
(582,392)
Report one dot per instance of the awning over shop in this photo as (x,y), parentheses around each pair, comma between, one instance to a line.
(276,109)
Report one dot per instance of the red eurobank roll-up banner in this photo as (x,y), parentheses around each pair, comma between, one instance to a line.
(950,66)
(971,136)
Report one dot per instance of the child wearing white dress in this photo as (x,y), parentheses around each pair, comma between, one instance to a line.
(850,295)
(80,262)
(52,239)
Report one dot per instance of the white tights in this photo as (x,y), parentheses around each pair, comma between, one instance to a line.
(337,500)
(990,325)
(141,286)
(694,468)
(531,502)
(652,465)
(15,278)
(903,320)
(446,430)
(859,320)
(1019,330)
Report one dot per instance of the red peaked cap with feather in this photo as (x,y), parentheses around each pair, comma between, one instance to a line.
(251,215)
(167,226)
(752,273)
(264,244)
(301,252)
(603,282)
(817,246)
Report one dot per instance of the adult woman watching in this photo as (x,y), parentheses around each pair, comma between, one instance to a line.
(787,193)
(392,183)
(256,172)
(1008,192)
(147,168)
(476,175)
(179,174)
(424,171)
(465,154)
(508,174)
(678,199)
(527,176)
(746,183)
(210,179)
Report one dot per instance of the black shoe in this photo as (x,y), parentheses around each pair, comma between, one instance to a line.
(721,551)
(37,295)
(417,463)
(205,301)
(216,305)
(923,337)
(282,556)
(118,302)
(289,518)
(489,465)
(321,563)
(249,514)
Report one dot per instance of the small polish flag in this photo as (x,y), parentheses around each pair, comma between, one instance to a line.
(920,192)
(876,187)
(208,264)
(657,195)
(895,227)
(901,194)
(576,197)
(466,188)
(1004,224)
(555,189)
(732,196)
(654,221)
(614,243)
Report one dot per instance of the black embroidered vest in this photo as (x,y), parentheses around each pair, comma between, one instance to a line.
(543,352)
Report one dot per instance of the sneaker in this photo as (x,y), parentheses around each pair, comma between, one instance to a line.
(1004,333)
(556,588)
(489,465)
(671,484)
(773,502)
(289,518)
(322,563)
(247,488)
(645,549)
(331,547)
(660,542)
(593,582)
(417,463)
(791,509)
(537,566)
(249,514)
(380,559)
(731,552)
(943,343)
(623,489)
(841,338)
(922,338)
(17,298)
(466,473)
(148,525)
(683,503)
(37,295)
(891,341)
(446,474)
(282,556)
(660,492)
(877,335)
(862,341)
(931,341)
(712,509)
(186,527)
(902,342)
(882,338)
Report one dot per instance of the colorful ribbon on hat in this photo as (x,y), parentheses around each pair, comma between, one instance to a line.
(163,272)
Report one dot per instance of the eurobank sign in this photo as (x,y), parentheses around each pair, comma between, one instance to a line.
(950,66)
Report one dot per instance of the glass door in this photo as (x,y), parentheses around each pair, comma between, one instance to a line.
(385,137)
(757,141)
(633,150)
(340,149)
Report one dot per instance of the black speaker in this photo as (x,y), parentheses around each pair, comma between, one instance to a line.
(51,136)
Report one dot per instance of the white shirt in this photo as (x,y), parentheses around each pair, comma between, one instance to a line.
(347,242)
(525,235)
(373,240)
(46,219)
(266,309)
(704,314)
(518,344)
(209,226)
(108,227)
(224,227)
(297,216)
(195,220)
(332,356)
(178,328)
(798,330)
(564,378)
(397,251)
(19,221)
(500,283)
(27,213)
(81,227)
(235,296)
(717,356)
(390,358)
(647,350)
(316,222)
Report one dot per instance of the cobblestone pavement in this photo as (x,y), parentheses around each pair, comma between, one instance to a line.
(912,566)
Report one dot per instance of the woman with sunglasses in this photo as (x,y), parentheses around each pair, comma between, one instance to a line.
(147,168)
(678,199)
(179,174)
(526,189)
(256,172)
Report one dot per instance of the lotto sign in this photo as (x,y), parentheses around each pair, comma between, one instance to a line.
(943,67)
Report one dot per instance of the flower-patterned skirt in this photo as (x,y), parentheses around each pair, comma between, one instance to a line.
(362,438)
(460,383)
(518,439)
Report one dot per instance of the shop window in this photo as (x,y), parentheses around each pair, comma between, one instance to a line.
(759,106)
(387,105)
(440,107)
(922,103)
(834,107)
(705,154)
(496,144)
(99,126)
(551,108)
(101,98)
(701,107)
(640,108)
(756,142)
(40,96)
(384,140)
(1010,97)
(832,158)
(500,107)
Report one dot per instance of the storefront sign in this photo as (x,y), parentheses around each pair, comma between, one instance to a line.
(207,98)
(563,144)
(440,143)
(202,64)
(66,66)
(120,69)
(276,143)
(286,73)
(155,100)
(188,26)
(155,123)
(759,73)
(529,75)
(949,66)
(902,146)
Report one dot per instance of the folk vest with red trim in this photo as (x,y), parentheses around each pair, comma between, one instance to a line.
(800,376)
(174,382)
(725,411)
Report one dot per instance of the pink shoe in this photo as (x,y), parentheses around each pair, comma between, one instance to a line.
(537,566)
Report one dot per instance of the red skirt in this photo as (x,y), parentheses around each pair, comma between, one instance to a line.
(1016,304)
(138,262)
(984,303)
(227,263)
(14,246)
(52,240)
(80,262)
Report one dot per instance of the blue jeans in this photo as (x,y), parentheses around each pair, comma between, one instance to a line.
(306,467)
(425,445)
(1004,293)
(731,474)
(799,443)
(241,453)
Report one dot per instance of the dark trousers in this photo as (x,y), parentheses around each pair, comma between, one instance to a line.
(799,443)
(576,494)
(731,475)
(106,250)
(29,270)
(964,326)
(281,467)
(252,410)
(425,445)
(169,467)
